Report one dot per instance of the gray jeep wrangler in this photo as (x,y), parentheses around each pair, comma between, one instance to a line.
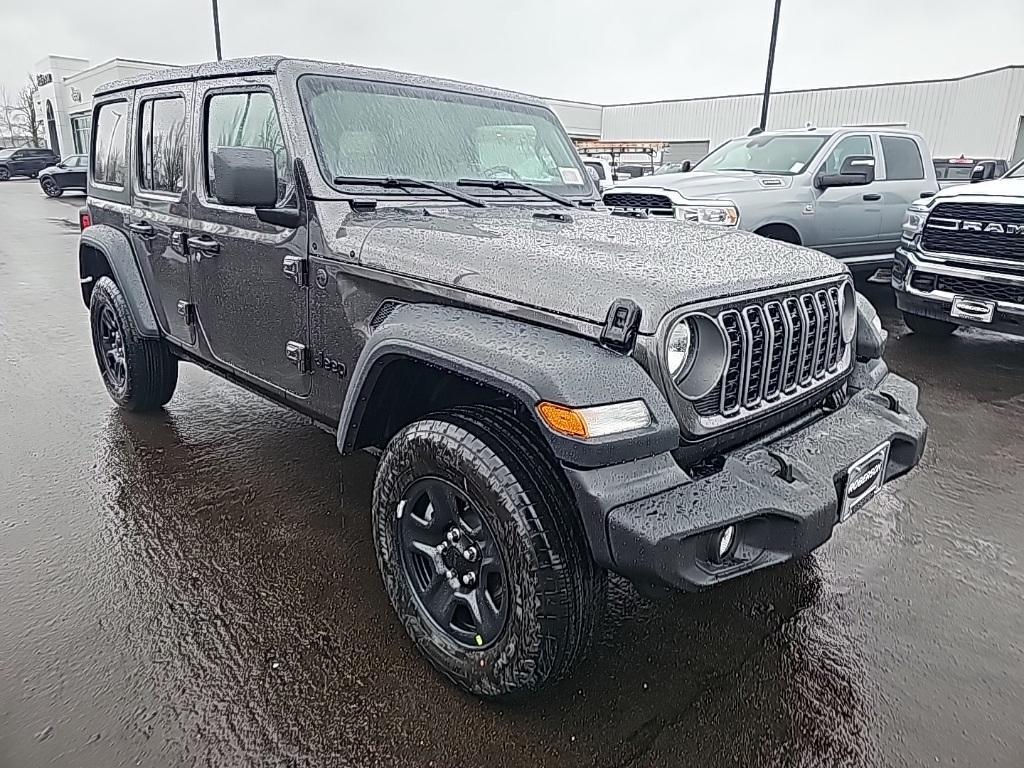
(417,266)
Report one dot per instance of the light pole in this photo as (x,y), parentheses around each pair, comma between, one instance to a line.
(767,78)
(216,28)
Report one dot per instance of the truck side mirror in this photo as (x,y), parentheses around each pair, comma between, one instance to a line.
(685,166)
(856,171)
(983,171)
(244,176)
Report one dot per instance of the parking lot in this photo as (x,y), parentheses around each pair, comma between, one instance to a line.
(199,587)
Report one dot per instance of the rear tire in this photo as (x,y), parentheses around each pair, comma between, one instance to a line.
(927,326)
(139,374)
(553,591)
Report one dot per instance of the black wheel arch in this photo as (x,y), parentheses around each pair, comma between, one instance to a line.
(485,359)
(104,251)
(786,233)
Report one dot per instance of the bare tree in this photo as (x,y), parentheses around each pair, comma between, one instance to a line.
(10,117)
(25,106)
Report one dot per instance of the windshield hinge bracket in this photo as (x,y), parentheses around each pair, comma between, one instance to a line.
(621,325)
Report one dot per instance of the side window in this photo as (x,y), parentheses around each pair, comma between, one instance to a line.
(902,158)
(245,120)
(109,151)
(847,147)
(161,145)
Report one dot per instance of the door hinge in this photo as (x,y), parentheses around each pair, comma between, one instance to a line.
(298,355)
(295,268)
(187,311)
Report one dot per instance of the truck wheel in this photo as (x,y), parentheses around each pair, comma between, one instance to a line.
(139,374)
(482,552)
(928,326)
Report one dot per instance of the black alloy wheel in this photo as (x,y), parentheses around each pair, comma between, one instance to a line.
(50,187)
(452,563)
(110,344)
(5,173)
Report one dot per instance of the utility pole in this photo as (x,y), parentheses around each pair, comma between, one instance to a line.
(768,76)
(216,30)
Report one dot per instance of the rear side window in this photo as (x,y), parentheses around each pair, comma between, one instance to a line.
(245,120)
(161,145)
(902,158)
(110,155)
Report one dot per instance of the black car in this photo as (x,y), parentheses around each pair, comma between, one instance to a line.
(69,173)
(420,268)
(25,161)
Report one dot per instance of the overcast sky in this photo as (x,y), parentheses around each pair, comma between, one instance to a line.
(605,51)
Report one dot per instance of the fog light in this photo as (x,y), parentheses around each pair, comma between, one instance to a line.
(723,543)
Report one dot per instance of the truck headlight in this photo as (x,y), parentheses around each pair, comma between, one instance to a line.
(695,355)
(913,220)
(717,215)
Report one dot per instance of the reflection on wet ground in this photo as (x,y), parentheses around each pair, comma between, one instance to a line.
(199,588)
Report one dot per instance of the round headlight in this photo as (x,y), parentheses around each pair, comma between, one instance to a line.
(680,345)
(848,313)
(699,367)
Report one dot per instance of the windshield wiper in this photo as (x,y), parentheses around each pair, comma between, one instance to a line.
(506,184)
(400,182)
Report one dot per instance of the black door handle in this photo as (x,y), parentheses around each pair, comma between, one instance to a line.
(142,228)
(204,245)
(871,196)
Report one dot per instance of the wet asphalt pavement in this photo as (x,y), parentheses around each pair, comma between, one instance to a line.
(195,587)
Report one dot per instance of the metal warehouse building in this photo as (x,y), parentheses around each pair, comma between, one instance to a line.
(979,115)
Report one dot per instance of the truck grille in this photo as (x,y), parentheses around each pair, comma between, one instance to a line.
(938,237)
(980,289)
(631,200)
(776,349)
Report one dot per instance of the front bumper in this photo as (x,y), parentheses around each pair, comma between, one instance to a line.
(653,523)
(935,304)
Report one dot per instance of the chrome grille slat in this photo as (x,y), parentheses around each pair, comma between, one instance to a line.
(775,349)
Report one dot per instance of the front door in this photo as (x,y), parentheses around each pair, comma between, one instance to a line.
(254,317)
(159,218)
(21,163)
(846,219)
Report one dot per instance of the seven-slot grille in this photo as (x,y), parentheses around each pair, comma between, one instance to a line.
(957,240)
(637,200)
(775,349)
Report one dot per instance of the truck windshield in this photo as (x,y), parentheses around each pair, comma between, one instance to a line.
(375,130)
(1016,173)
(784,155)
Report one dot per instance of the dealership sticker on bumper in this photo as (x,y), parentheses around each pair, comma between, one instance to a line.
(972,309)
(863,479)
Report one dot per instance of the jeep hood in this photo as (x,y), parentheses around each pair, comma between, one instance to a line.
(579,266)
(703,184)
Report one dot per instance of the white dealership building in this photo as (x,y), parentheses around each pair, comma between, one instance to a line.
(977,115)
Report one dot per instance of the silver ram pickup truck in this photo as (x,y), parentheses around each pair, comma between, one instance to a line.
(843,191)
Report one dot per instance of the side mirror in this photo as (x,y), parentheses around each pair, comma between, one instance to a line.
(244,176)
(983,171)
(856,171)
(685,166)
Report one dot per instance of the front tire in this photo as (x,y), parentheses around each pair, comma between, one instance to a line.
(482,552)
(5,173)
(927,326)
(50,188)
(139,374)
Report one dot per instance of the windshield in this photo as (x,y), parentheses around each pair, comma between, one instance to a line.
(1016,173)
(785,155)
(367,129)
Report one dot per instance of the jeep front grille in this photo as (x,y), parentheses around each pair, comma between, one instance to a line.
(944,232)
(777,349)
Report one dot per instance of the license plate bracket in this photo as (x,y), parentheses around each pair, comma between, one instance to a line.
(978,310)
(863,480)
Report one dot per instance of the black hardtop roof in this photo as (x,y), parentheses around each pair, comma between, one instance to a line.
(264,65)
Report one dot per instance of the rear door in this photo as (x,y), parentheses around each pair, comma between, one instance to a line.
(901,180)
(74,178)
(254,316)
(159,217)
(846,219)
(21,163)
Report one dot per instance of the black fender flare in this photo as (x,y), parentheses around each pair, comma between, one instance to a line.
(527,362)
(117,250)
